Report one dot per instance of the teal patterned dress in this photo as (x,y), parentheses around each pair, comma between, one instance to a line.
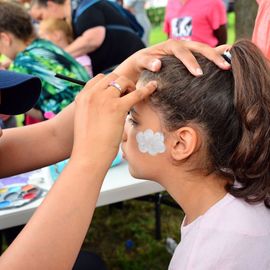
(43,59)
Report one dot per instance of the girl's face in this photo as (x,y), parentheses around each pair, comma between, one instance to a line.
(143,145)
(51,10)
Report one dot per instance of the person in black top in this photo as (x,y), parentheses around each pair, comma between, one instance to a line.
(100,30)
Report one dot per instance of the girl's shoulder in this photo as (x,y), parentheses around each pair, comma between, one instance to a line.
(237,216)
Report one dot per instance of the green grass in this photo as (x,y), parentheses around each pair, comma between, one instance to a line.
(231,28)
(157,35)
(112,227)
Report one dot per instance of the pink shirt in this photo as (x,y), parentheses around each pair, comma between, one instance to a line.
(86,62)
(194,20)
(261,32)
(231,235)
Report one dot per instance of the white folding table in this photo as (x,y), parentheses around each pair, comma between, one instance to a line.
(118,186)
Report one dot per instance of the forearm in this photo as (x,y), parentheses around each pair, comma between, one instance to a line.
(79,47)
(88,42)
(55,242)
(37,145)
(35,114)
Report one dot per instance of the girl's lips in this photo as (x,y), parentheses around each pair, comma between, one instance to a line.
(123,153)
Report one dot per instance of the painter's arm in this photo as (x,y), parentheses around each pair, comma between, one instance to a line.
(53,236)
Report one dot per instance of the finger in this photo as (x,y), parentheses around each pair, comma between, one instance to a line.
(138,95)
(149,62)
(222,48)
(102,84)
(180,50)
(93,81)
(189,60)
(210,53)
(119,86)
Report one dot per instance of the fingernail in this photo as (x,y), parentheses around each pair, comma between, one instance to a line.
(226,64)
(199,71)
(155,65)
(154,83)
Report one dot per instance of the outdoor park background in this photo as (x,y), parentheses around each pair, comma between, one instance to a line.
(124,235)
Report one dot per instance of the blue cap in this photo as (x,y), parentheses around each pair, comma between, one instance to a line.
(18,92)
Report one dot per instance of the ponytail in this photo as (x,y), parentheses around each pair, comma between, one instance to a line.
(250,161)
(232,107)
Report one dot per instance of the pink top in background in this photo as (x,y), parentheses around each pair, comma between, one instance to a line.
(261,32)
(194,20)
(86,62)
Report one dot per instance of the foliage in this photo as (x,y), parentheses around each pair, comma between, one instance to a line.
(134,223)
(156,15)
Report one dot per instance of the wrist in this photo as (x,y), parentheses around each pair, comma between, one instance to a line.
(91,159)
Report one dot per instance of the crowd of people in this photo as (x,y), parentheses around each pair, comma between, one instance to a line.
(99,44)
(200,111)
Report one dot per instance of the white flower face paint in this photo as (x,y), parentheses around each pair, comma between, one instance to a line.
(150,142)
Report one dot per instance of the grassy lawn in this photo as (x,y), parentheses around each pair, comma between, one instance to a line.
(134,223)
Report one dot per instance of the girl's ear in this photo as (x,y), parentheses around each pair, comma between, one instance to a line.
(5,38)
(186,141)
(58,35)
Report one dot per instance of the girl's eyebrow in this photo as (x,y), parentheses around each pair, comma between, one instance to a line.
(133,111)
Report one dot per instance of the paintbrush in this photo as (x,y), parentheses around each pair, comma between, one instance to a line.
(63,77)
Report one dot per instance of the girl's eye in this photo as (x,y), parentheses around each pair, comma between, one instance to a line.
(132,121)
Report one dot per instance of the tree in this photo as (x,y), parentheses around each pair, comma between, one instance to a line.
(245,14)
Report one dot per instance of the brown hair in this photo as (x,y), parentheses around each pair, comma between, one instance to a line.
(232,107)
(44,3)
(15,20)
(52,25)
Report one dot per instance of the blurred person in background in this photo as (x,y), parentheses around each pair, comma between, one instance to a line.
(203,21)
(59,32)
(99,30)
(226,3)
(261,32)
(31,55)
(137,7)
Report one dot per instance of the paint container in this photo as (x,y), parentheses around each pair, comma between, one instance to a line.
(19,195)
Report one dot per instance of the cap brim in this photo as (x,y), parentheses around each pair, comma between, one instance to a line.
(18,92)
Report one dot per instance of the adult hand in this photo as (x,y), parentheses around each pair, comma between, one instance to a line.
(100,113)
(149,58)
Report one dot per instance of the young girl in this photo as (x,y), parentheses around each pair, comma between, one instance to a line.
(59,32)
(206,140)
(93,124)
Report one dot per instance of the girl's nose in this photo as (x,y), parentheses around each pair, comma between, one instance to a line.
(124,137)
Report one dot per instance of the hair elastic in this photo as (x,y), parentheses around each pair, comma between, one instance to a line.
(227,56)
